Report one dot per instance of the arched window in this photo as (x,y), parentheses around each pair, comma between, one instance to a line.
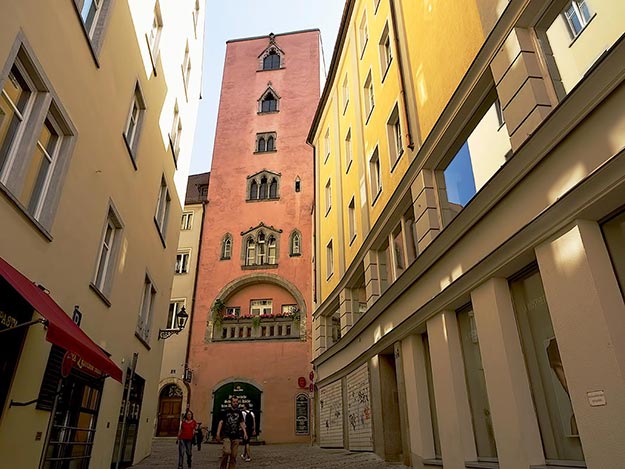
(261,144)
(269,103)
(272,61)
(261,249)
(250,251)
(273,189)
(226,247)
(296,244)
(270,145)
(253,190)
(263,188)
(271,250)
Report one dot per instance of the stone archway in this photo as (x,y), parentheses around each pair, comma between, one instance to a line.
(253,279)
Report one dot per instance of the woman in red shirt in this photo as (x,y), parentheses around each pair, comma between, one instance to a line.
(185,438)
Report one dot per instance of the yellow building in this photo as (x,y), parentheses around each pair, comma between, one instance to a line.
(97,113)
(173,388)
(470,219)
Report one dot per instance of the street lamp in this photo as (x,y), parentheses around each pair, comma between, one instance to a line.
(180,321)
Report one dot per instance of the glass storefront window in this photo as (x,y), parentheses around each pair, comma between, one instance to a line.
(550,390)
(476,386)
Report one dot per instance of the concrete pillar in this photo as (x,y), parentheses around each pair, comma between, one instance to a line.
(372,277)
(376,406)
(452,401)
(588,316)
(427,224)
(516,429)
(420,437)
(402,398)
(521,87)
(346,310)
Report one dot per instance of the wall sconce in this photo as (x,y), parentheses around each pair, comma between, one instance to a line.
(180,321)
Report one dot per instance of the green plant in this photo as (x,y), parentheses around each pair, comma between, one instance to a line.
(256,321)
(218,311)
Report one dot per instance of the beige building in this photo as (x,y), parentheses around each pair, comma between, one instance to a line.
(97,113)
(470,224)
(173,389)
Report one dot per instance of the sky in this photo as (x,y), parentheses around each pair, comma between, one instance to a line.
(232,19)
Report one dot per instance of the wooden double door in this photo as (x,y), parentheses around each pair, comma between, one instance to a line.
(169,411)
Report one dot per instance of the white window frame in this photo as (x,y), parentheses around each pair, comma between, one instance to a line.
(134,121)
(272,250)
(395,136)
(363,34)
(176,132)
(94,23)
(196,17)
(328,196)
(348,150)
(162,208)
(576,8)
(261,307)
(187,221)
(351,210)
(148,297)
(369,96)
(171,317)
(183,260)
(186,68)
(345,89)
(386,51)
(375,174)
(329,259)
(296,244)
(107,252)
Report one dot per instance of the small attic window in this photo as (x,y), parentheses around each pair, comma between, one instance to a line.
(272,60)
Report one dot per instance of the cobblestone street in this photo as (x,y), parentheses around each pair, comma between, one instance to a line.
(165,455)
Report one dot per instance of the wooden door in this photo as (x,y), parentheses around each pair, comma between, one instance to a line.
(169,411)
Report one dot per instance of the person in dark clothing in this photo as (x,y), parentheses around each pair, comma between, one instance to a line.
(250,425)
(185,438)
(231,426)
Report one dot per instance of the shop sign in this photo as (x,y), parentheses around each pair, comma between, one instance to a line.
(302,415)
(73,360)
(301,382)
(7,320)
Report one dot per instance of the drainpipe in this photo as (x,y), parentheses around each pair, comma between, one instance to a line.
(400,64)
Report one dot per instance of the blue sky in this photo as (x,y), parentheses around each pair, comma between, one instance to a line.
(232,19)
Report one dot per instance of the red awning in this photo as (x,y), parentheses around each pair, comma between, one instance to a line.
(62,331)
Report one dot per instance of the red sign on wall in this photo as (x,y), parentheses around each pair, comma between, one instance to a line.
(301,381)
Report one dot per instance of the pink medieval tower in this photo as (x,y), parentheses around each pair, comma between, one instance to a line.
(251,326)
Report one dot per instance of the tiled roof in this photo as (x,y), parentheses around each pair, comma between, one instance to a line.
(197,188)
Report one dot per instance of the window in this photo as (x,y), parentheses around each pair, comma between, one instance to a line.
(233,311)
(345,88)
(93,14)
(261,248)
(329,260)
(261,307)
(226,247)
(271,60)
(296,244)
(298,184)
(393,130)
(263,186)
(196,17)
(351,210)
(174,307)
(109,247)
(35,140)
(182,262)
(363,34)
(176,131)
(500,118)
(577,15)
(265,142)
(144,322)
(386,54)
(550,390)
(162,208)
(154,36)
(348,150)
(375,175)
(369,97)
(326,145)
(187,221)
(475,163)
(268,102)
(134,122)
(328,196)
(476,385)
(186,67)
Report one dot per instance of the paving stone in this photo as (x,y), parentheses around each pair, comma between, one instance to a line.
(165,455)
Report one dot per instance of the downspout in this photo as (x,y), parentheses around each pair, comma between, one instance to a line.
(400,64)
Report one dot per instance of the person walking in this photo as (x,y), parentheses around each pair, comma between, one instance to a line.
(250,426)
(231,425)
(185,438)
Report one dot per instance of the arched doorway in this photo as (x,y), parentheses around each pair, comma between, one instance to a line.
(169,410)
(247,394)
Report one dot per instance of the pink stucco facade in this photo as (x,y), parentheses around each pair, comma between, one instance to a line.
(271,363)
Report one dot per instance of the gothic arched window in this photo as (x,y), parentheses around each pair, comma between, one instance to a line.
(226,247)
(263,188)
(270,144)
(296,244)
(253,190)
(273,189)
(271,250)
(269,103)
(250,251)
(261,144)
(271,61)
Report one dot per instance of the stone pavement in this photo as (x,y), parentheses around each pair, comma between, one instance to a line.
(165,455)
